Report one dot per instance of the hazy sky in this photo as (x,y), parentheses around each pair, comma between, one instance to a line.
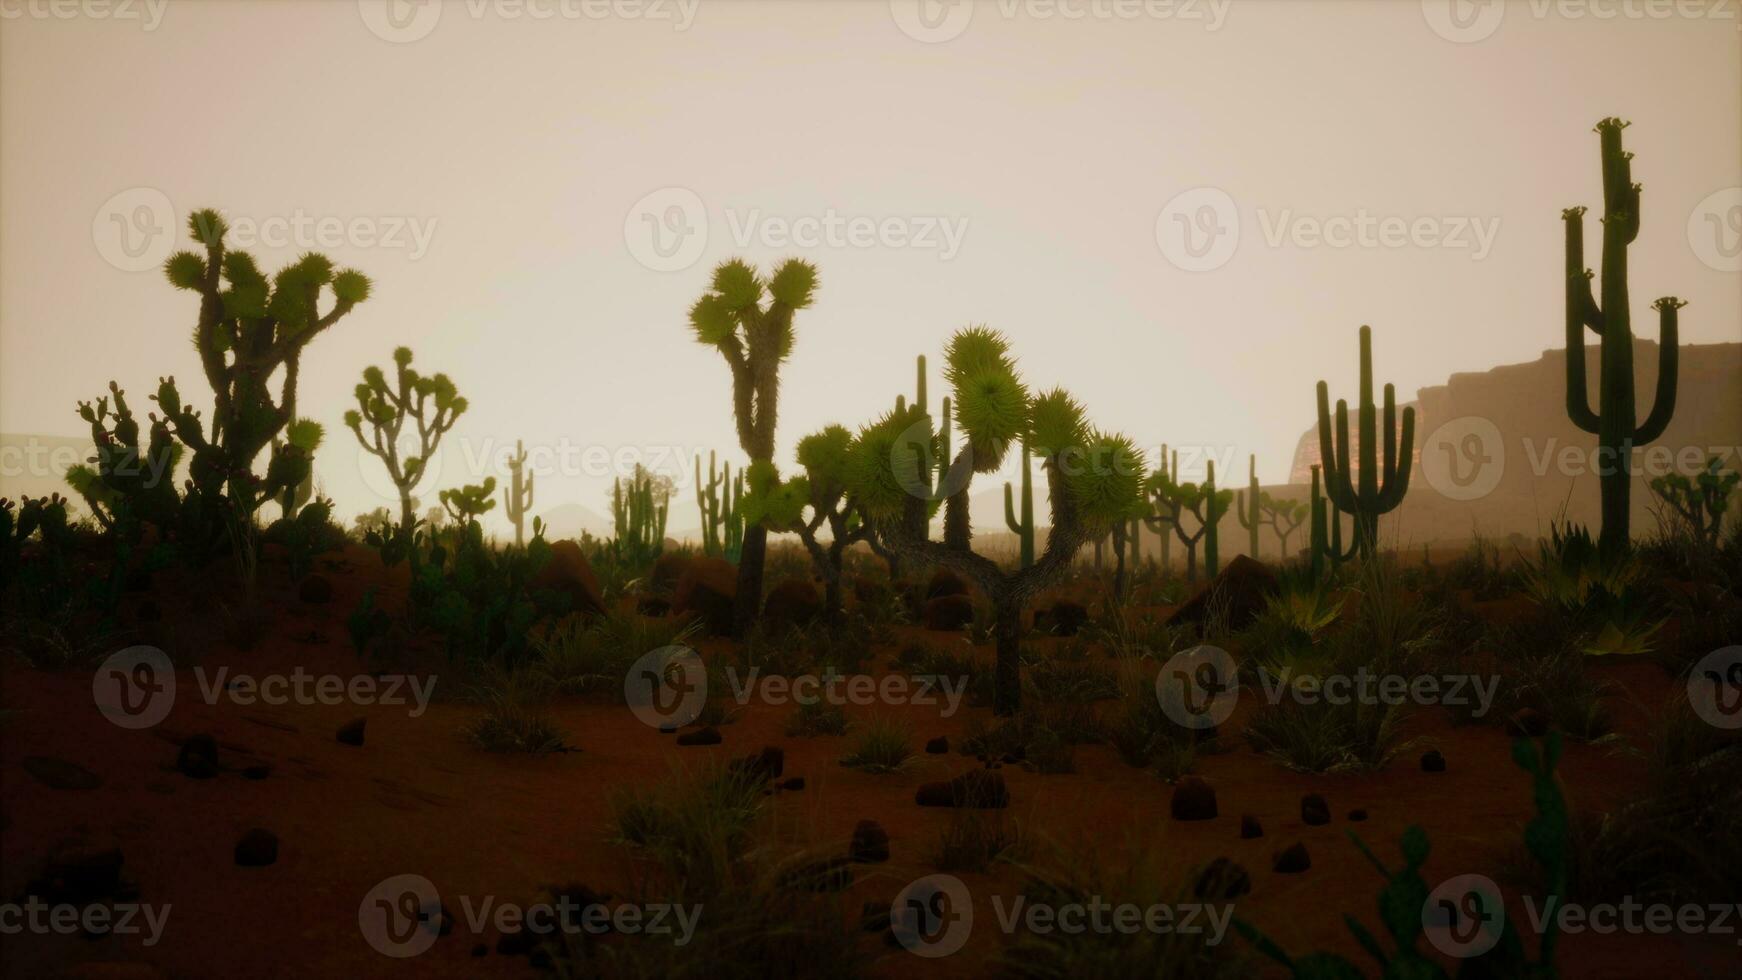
(518,177)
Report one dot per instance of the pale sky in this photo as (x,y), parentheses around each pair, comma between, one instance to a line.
(525,149)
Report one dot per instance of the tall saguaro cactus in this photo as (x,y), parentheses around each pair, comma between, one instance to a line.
(719,498)
(1326,534)
(517,496)
(1613,422)
(1022,527)
(1249,507)
(1382,480)
(753,338)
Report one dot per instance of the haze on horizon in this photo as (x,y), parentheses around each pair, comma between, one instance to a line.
(1013,167)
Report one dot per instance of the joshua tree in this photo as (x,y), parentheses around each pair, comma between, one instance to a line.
(1022,527)
(1613,422)
(1172,500)
(1285,517)
(754,339)
(431,403)
(1698,505)
(722,518)
(1124,533)
(1382,483)
(517,497)
(822,491)
(1091,479)
(470,502)
(1326,543)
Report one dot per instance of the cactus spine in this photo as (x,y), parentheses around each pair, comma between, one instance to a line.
(1613,421)
(1023,528)
(1248,508)
(517,496)
(1382,481)
(722,521)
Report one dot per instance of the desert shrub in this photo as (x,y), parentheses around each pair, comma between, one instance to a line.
(954,666)
(694,824)
(1133,634)
(1140,876)
(1292,624)
(1480,571)
(882,746)
(974,840)
(1322,736)
(511,719)
(575,656)
(818,717)
(1067,679)
(1542,668)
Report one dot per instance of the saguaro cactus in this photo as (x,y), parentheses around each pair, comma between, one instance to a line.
(1022,527)
(517,496)
(1249,507)
(720,498)
(1613,422)
(754,339)
(1215,505)
(432,403)
(1172,500)
(638,516)
(1326,535)
(1382,481)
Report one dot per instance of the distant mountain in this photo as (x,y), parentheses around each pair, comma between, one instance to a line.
(569,520)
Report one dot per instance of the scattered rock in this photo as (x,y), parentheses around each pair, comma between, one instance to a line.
(1222,881)
(60,774)
(1244,586)
(79,872)
(315,589)
(793,602)
(1067,618)
(948,614)
(945,583)
(938,746)
(1314,811)
(974,789)
(568,573)
(792,783)
(1527,723)
(708,589)
(257,849)
(1250,827)
(1193,799)
(1291,860)
(1433,761)
(351,732)
(870,843)
(198,758)
(256,772)
(701,736)
(1357,815)
(668,729)
(761,767)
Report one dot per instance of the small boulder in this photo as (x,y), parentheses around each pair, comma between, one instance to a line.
(763,766)
(1314,811)
(793,602)
(1067,618)
(568,573)
(948,614)
(870,844)
(256,772)
(938,746)
(792,783)
(198,758)
(1250,828)
(1357,815)
(1193,799)
(351,732)
(315,589)
(78,872)
(1291,860)
(1222,880)
(257,849)
(975,789)
(945,583)
(701,736)
(708,590)
(1244,586)
(1433,761)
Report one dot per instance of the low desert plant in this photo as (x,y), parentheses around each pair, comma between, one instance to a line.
(1322,736)
(818,717)
(882,746)
(974,839)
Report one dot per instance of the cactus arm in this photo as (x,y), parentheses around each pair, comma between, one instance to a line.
(1369,478)
(1334,448)
(1668,365)
(1581,312)
(1397,480)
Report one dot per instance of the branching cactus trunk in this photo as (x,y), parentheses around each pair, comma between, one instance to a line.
(1381,484)
(1326,534)
(1022,527)
(517,496)
(1613,422)
(1249,507)
(431,403)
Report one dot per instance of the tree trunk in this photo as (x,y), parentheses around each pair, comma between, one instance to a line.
(1007,676)
(749,602)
